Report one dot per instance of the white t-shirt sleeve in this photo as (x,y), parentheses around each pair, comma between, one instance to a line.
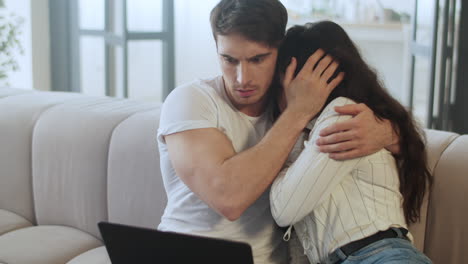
(187,107)
(312,177)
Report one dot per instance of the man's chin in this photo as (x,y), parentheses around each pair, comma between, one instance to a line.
(248,100)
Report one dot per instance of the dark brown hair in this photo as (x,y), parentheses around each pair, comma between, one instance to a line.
(262,21)
(362,85)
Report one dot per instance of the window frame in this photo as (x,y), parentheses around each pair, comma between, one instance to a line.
(65,45)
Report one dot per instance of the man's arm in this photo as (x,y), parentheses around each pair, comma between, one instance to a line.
(362,135)
(230,182)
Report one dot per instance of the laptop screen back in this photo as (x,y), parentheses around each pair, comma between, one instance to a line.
(127,244)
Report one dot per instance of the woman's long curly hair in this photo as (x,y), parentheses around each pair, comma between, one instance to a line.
(362,85)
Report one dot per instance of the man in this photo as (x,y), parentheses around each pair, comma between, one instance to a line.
(219,148)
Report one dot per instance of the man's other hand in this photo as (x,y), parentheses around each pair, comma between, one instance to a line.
(362,135)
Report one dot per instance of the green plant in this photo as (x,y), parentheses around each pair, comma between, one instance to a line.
(10,46)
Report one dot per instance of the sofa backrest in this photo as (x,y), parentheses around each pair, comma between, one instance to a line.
(74,160)
(6,91)
(436,142)
(69,159)
(446,231)
(442,233)
(19,112)
(136,194)
(70,151)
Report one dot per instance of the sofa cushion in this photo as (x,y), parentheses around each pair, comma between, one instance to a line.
(4,92)
(18,117)
(45,245)
(10,221)
(447,232)
(70,160)
(136,194)
(436,142)
(94,256)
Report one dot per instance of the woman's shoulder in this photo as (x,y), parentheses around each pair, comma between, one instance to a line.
(340,101)
(328,115)
(329,109)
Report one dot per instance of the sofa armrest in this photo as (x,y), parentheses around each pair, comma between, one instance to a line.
(436,143)
(446,231)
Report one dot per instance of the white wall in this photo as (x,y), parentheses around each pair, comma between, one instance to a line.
(195,46)
(34,64)
(196,49)
(23,77)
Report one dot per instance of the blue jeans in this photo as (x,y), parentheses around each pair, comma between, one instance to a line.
(388,251)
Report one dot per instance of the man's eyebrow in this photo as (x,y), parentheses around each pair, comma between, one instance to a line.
(253,57)
(227,56)
(258,56)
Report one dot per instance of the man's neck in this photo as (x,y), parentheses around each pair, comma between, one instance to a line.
(253,111)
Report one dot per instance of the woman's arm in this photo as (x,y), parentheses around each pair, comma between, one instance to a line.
(312,177)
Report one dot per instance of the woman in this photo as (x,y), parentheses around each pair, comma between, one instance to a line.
(353,211)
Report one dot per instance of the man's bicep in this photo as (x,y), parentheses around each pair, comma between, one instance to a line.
(197,155)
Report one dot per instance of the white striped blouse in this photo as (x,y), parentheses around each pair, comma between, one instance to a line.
(331,203)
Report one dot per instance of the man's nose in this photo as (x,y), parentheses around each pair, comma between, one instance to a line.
(243,74)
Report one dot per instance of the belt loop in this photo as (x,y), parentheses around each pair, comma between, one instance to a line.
(337,256)
(341,254)
(398,231)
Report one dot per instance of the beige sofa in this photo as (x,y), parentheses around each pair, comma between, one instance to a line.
(68,161)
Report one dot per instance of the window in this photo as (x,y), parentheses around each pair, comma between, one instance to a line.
(411,44)
(116,48)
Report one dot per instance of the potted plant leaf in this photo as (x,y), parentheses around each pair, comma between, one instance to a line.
(10,46)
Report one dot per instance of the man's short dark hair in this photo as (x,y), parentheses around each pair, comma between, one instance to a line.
(262,21)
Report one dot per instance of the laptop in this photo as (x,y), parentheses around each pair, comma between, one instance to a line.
(129,244)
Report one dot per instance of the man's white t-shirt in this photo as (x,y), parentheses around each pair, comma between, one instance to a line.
(204,104)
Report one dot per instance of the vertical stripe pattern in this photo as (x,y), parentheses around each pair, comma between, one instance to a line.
(331,203)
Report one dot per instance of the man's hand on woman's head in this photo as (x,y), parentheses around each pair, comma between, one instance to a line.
(362,135)
(307,92)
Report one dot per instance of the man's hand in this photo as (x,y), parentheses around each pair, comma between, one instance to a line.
(362,135)
(308,91)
